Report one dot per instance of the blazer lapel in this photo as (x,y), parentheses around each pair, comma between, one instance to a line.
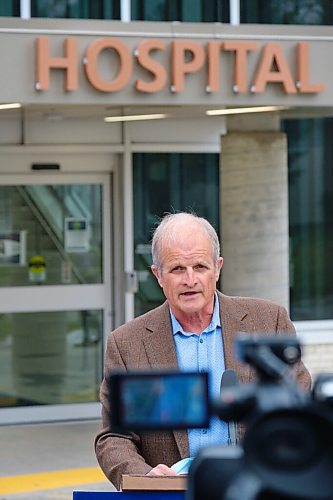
(161,352)
(234,320)
(158,341)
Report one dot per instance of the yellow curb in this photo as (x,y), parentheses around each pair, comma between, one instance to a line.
(51,480)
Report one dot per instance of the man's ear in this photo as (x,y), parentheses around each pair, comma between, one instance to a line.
(219,267)
(155,272)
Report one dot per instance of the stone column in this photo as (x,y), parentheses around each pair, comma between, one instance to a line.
(254,215)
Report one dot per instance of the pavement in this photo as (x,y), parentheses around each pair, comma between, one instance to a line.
(49,461)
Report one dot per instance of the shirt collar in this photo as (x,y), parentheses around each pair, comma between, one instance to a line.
(215,322)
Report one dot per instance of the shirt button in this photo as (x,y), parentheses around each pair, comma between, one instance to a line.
(204,431)
(201,341)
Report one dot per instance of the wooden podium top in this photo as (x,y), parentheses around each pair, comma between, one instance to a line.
(133,482)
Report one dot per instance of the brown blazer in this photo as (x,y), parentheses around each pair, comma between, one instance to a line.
(147,342)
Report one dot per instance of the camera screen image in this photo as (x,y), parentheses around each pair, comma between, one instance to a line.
(151,400)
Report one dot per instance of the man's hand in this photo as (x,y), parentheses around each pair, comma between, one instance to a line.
(161,470)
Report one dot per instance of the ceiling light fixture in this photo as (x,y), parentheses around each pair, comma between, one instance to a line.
(11,105)
(132,118)
(238,111)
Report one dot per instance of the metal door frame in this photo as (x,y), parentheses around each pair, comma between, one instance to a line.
(64,297)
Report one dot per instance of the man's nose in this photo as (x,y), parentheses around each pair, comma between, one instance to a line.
(190,277)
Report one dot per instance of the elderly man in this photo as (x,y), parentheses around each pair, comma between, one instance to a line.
(193,330)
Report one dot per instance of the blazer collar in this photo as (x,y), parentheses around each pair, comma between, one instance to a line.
(159,343)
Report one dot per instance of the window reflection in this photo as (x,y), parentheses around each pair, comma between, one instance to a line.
(58,227)
(50,357)
(310,12)
(310,159)
(80,9)
(180,10)
(165,183)
(10,8)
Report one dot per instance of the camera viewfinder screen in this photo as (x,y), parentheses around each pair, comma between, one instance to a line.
(150,401)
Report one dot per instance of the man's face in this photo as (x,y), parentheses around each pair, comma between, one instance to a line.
(188,275)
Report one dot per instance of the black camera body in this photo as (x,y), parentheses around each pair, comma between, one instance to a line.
(287,449)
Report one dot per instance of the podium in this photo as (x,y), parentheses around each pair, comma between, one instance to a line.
(128,495)
(136,487)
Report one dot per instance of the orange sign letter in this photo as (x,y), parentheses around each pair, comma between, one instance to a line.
(157,70)
(125,69)
(304,86)
(240,72)
(213,66)
(180,67)
(273,56)
(44,63)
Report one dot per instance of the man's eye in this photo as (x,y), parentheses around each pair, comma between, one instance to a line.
(177,269)
(200,266)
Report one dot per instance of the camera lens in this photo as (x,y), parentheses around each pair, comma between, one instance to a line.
(288,440)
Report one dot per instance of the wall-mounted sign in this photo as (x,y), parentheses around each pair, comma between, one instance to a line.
(76,235)
(269,62)
(13,247)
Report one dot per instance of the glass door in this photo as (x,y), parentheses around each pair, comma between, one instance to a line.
(55,294)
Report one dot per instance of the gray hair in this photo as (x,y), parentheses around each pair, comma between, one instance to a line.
(168,229)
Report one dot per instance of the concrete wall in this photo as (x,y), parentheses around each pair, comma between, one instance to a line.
(318,357)
(254,215)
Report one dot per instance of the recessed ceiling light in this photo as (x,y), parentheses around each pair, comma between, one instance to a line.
(132,118)
(11,105)
(238,111)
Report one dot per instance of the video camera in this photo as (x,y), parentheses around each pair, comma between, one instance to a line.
(287,449)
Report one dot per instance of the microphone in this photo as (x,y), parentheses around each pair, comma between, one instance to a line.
(228,381)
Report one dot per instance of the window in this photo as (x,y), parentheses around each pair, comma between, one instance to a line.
(310,163)
(80,9)
(50,235)
(10,8)
(286,11)
(51,357)
(180,10)
(165,183)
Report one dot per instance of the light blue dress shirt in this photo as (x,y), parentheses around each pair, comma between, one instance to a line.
(203,352)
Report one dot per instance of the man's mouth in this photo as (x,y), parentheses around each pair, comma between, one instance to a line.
(189,294)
